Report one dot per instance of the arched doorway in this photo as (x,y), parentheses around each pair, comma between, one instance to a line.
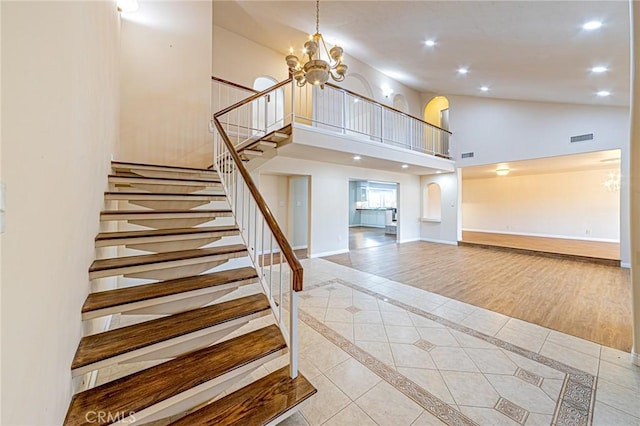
(437,113)
(268,111)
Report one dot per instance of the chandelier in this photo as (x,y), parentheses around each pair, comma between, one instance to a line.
(317,70)
(613,182)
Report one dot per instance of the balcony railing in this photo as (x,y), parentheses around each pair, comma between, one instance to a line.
(330,109)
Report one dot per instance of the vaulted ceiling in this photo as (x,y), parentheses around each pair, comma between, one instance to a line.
(526,50)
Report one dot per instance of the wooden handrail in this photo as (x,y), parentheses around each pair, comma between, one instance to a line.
(252,98)
(357,95)
(287,251)
(231,83)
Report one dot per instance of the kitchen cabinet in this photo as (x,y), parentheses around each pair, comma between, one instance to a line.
(373,217)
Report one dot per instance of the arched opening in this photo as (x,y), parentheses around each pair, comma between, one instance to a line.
(432,202)
(268,111)
(437,113)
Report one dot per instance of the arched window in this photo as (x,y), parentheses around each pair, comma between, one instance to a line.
(432,203)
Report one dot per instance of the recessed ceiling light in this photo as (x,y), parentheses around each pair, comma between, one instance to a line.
(502,171)
(438,172)
(405,166)
(463,70)
(603,93)
(484,89)
(599,69)
(591,25)
(430,43)
(356,157)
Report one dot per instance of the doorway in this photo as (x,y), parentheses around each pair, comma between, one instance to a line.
(373,213)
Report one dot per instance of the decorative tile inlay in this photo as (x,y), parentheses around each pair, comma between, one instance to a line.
(512,410)
(424,344)
(353,309)
(574,405)
(528,377)
(425,399)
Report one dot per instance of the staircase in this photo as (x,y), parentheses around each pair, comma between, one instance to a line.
(196,267)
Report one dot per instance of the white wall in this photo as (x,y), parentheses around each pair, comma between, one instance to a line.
(298,211)
(446,230)
(330,200)
(571,204)
(275,191)
(166,84)
(60,84)
(502,130)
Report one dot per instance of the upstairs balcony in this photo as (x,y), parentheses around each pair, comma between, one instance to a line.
(331,124)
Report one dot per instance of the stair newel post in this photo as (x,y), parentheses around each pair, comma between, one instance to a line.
(293,330)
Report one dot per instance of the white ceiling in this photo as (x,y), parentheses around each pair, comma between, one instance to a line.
(600,160)
(528,50)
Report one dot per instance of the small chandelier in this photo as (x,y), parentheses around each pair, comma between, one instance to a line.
(613,182)
(317,70)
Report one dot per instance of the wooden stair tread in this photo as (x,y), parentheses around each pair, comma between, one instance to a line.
(256,404)
(121,296)
(145,388)
(164,180)
(122,164)
(145,259)
(105,345)
(163,232)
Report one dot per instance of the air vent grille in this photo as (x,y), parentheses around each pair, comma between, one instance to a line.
(467,155)
(582,138)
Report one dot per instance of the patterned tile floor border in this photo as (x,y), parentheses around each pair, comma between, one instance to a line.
(574,406)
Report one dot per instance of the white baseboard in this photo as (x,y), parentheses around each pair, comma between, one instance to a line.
(529,234)
(433,240)
(635,358)
(328,253)
(625,265)
(409,240)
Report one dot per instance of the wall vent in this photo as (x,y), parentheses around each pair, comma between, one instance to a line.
(467,155)
(582,138)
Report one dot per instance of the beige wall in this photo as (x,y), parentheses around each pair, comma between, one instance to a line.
(165,86)
(60,120)
(572,204)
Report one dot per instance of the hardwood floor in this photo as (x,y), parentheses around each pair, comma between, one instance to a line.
(595,249)
(363,237)
(587,300)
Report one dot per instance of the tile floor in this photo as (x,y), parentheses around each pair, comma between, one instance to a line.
(384,353)
(380,352)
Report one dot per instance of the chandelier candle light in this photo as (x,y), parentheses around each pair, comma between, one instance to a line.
(317,70)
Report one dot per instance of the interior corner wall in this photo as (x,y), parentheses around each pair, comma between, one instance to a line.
(241,60)
(330,200)
(166,84)
(445,231)
(562,205)
(237,59)
(60,90)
